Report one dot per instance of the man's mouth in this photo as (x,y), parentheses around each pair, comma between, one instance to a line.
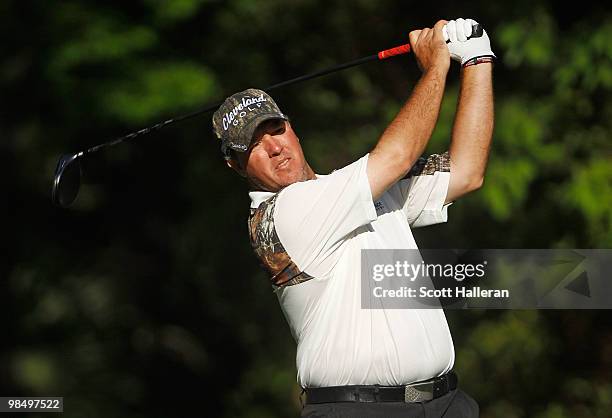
(283,164)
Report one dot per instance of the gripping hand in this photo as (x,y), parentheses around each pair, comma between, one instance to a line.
(467,41)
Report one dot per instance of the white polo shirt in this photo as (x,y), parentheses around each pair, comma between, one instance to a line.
(321,226)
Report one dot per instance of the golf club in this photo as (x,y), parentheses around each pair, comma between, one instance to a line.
(67,177)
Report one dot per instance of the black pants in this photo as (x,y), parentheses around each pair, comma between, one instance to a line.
(455,404)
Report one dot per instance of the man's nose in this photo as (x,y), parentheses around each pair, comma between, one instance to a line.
(272,145)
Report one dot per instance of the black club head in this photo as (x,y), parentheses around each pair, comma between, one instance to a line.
(67,180)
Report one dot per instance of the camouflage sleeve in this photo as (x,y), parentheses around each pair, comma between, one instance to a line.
(269,250)
(427,166)
(422,192)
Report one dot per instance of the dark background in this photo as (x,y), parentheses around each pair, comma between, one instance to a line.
(144,298)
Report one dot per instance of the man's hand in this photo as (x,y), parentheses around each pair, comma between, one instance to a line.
(460,47)
(430,48)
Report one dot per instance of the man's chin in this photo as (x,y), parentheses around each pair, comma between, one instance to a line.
(293,178)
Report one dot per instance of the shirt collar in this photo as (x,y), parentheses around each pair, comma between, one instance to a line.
(258,196)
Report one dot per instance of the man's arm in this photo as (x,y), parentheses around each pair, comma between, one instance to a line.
(473,126)
(407,135)
(472,131)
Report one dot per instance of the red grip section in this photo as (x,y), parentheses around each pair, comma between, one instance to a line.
(398,50)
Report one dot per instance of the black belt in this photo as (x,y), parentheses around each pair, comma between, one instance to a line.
(414,392)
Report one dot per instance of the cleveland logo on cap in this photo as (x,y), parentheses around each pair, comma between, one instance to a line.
(239,110)
(235,121)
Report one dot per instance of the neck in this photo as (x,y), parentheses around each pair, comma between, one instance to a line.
(256,186)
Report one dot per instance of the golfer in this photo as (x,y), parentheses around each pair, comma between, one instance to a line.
(308,231)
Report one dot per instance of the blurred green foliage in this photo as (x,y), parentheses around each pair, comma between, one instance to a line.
(145,299)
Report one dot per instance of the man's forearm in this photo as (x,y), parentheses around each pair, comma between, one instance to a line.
(407,135)
(473,127)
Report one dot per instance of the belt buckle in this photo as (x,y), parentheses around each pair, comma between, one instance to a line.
(419,392)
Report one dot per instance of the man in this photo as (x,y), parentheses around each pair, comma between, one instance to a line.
(308,231)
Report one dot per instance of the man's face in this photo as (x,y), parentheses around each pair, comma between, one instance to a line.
(275,158)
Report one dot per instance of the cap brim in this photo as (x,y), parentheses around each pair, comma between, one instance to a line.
(247,132)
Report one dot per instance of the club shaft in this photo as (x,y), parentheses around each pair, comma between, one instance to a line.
(322,72)
(379,56)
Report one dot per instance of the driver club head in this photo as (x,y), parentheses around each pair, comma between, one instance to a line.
(67,180)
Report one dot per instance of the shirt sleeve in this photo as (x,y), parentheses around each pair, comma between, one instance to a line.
(314,217)
(423,190)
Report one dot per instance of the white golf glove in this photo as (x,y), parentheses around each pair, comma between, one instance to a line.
(456,33)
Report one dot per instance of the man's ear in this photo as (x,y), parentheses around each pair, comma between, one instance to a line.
(235,165)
